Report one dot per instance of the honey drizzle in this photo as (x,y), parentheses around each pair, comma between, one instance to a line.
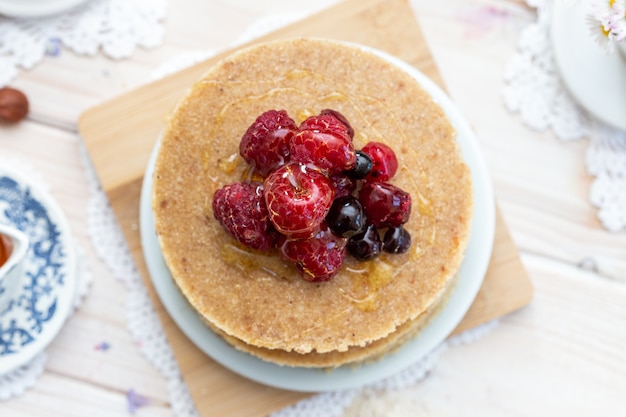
(365,282)
(248,261)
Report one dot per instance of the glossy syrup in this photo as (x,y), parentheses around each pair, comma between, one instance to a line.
(365,280)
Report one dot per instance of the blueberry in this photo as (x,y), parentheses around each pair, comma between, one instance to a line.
(366,245)
(363,166)
(396,240)
(346,216)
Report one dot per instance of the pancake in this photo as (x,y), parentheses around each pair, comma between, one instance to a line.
(354,356)
(255,299)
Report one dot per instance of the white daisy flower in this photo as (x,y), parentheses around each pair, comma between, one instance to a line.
(599,34)
(607,22)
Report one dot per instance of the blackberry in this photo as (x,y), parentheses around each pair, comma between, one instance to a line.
(396,240)
(362,168)
(346,216)
(366,245)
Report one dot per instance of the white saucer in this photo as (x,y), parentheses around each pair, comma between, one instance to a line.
(42,304)
(36,8)
(469,280)
(596,79)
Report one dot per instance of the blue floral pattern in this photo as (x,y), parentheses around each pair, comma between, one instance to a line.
(35,303)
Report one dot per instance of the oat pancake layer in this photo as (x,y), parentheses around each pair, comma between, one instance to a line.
(256,299)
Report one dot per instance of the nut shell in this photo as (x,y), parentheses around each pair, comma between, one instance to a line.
(13,105)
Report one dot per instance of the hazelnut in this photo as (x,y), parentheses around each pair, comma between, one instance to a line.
(13,105)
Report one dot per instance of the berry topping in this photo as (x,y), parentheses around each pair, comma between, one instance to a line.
(384,161)
(362,167)
(343,184)
(318,258)
(396,240)
(366,245)
(385,204)
(240,209)
(342,119)
(346,216)
(323,141)
(265,145)
(298,198)
(300,194)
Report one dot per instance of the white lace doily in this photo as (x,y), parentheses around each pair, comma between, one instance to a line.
(114,27)
(14,383)
(535,91)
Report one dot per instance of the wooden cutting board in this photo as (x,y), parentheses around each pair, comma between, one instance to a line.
(121,133)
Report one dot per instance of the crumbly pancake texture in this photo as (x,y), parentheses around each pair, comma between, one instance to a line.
(255,298)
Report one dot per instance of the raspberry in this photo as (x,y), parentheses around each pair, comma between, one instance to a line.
(384,162)
(318,258)
(298,199)
(342,119)
(240,209)
(323,141)
(385,204)
(265,145)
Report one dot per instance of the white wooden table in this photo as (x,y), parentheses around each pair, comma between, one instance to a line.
(562,355)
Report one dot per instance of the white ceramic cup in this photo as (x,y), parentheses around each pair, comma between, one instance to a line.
(12,269)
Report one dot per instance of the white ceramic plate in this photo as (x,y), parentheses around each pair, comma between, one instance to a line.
(36,8)
(44,299)
(470,278)
(597,80)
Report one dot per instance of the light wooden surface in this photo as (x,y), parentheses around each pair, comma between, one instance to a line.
(562,355)
(215,390)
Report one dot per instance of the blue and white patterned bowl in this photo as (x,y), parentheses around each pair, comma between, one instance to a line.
(43,300)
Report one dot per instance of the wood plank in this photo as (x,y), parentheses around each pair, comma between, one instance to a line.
(387,25)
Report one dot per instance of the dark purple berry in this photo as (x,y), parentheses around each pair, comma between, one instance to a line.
(396,240)
(343,184)
(366,245)
(363,166)
(346,216)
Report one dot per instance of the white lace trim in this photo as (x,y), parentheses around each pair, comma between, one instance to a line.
(19,380)
(16,382)
(535,91)
(114,27)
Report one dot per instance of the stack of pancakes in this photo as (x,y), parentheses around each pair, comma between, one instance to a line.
(254,300)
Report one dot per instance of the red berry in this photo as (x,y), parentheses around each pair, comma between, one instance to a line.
(265,145)
(384,162)
(318,258)
(240,209)
(323,141)
(298,199)
(385,204)
(342,119)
